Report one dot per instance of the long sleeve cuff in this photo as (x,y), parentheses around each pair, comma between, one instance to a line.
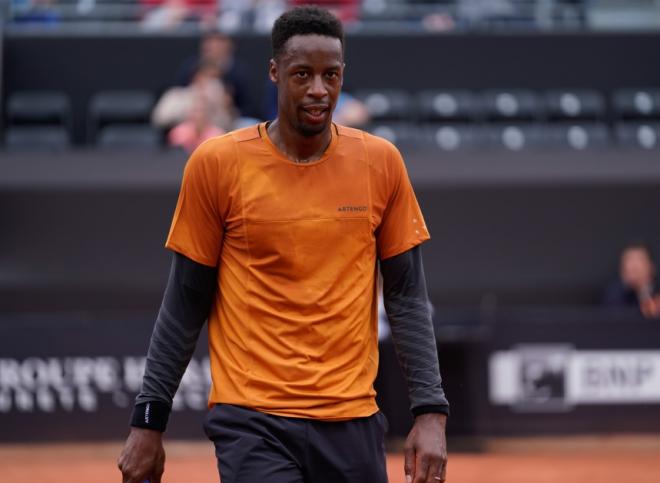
(436,408)
(151,415)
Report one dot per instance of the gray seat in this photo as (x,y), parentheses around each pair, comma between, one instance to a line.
(128,136)
(38,107)
(574,104)
(581,136)
(401,134)
(448,105)
(642,103)
(511,105)
(386,104)
(638,135)
(515,137)
(118,107)
(37,138)
(454,137)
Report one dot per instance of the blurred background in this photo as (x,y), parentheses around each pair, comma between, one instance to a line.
(531,132)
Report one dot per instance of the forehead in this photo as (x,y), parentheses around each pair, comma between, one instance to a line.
(635,254)
(312,48)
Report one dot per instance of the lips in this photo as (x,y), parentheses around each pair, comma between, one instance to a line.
(315,112)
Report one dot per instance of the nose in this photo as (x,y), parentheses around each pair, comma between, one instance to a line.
(317,88)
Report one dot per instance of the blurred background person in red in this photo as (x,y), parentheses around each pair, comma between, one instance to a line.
(197,128)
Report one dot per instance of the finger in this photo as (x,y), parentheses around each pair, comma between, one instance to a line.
(443,472)
(409,464)
(435,469)
(421,468)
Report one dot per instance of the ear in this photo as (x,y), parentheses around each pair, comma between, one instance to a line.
(343,68)
(272,71)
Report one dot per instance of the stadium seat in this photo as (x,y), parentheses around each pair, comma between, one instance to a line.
(638,135)
(511,105)
(386,104)
(454,137)
(401,134)
(118,107)
(448,105)
(580,136)
(574,104)
(128,136)
(38,107)
(41,137)
(515,137)
(637,103)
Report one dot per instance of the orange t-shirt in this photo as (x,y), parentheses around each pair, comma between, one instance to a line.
(293,330)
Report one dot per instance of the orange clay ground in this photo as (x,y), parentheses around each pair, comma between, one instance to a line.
(620,459)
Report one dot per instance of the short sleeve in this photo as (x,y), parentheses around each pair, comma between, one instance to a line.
(197,227)
(402,225)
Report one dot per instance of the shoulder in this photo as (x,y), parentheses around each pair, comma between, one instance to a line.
(222,148)
(379,150)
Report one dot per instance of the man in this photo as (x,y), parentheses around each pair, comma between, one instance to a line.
(217,50)
(636,284)
(295,214)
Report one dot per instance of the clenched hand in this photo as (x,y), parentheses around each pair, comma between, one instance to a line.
(143,457)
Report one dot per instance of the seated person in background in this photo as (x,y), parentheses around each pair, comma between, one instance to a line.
(175,104)
(196,129)
(217,51)
(350,111)
(636,286)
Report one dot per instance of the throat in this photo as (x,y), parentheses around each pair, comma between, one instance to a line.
(299,149)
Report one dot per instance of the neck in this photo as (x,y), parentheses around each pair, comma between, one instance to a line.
(297,147)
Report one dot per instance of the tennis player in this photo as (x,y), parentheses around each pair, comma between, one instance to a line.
(277,237)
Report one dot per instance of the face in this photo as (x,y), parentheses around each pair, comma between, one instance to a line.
(309,75)
(637,269)
(217,49)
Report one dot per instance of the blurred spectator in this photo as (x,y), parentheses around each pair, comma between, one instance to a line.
(170,14)
(197,128)
(42,12)
(176,104)
(350,111)
(257,15)
(347,10)
(217,50)
(636,284)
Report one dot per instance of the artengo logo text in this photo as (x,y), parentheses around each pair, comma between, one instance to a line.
(68,384)
(352,209)
(548,378)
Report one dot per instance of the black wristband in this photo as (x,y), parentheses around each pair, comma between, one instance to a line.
(151,415)
(436,408)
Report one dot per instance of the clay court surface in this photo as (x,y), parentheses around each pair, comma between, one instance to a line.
(573,460)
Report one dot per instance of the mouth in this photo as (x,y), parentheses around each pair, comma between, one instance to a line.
(316,112)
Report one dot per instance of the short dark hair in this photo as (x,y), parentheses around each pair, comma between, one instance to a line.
(639,245)
(306,20)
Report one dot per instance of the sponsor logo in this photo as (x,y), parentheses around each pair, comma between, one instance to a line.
(352,209)
(547,378)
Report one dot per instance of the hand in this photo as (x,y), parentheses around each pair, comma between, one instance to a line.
(143,457)
(650,307)
(426,450)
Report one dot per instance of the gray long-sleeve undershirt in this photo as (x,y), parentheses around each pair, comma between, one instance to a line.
(187,302)
(409,312)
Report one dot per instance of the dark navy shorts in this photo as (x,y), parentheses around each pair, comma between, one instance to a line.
(253,447)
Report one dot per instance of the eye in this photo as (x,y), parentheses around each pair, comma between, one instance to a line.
(301,74)
(332,75)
